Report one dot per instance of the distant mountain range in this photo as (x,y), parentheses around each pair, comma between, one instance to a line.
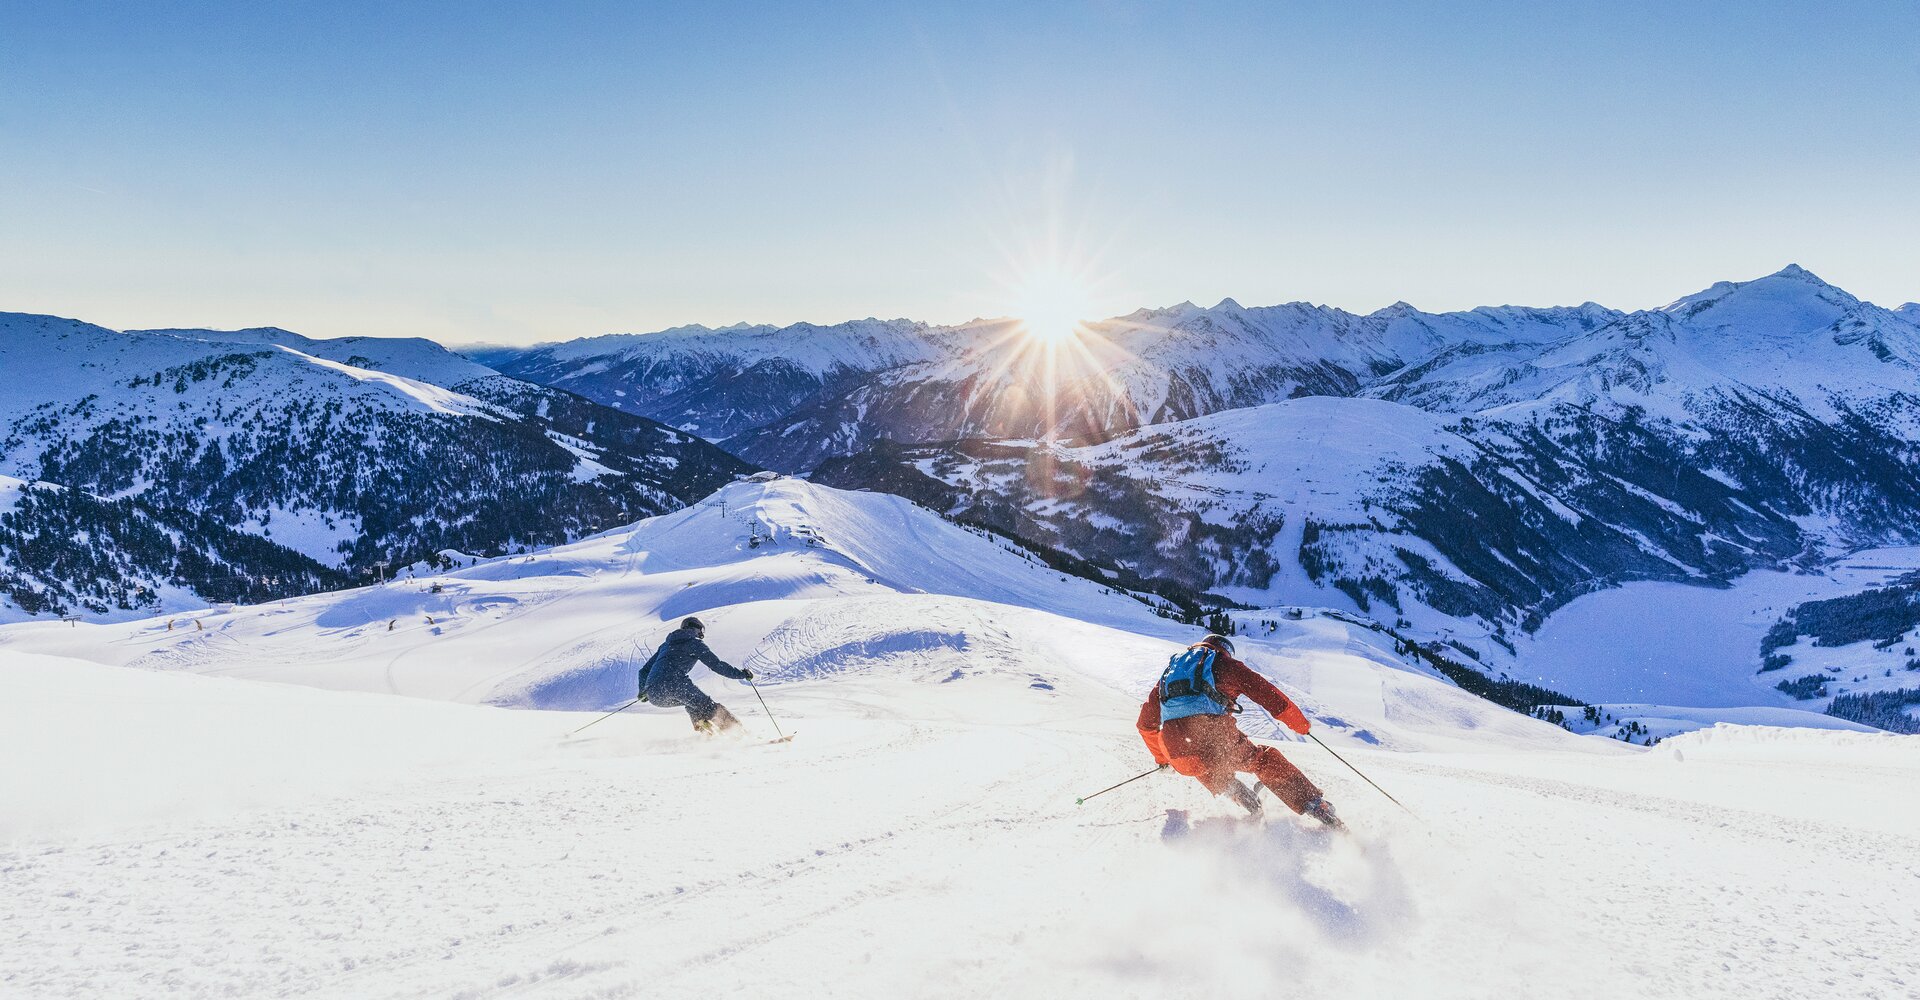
(1469,471)
(725,382)
(791,397)
(1483,466)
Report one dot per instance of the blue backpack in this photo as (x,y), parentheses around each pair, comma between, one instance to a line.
(1186,688)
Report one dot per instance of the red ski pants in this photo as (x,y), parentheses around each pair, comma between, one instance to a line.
(1212,748)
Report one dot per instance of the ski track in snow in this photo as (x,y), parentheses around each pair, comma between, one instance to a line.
(887,856)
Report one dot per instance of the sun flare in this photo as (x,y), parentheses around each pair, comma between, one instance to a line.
(1051,306)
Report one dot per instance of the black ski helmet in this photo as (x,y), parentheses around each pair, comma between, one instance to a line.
(1216,639)
(695,624)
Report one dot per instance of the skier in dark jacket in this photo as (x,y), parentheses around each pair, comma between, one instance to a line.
(664,681)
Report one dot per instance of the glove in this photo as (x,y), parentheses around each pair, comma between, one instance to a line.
(748,671)
(1163,766)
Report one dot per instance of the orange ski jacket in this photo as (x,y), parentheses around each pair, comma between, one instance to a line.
(1233,679)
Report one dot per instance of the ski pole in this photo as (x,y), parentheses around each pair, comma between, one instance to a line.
(607,716)
(1363,777)
(763,707)
(1082,800)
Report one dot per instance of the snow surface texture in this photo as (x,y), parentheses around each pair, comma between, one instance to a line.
(189,835)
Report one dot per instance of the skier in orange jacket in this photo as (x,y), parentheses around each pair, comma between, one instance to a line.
(1187,722)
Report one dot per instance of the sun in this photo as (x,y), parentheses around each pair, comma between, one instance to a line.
(1051,305)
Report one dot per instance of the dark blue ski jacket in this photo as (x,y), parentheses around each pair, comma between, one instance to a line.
(674,660)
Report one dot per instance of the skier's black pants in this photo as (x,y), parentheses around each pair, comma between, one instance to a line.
(700,708)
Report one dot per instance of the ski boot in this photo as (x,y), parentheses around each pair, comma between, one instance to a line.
(1322,810)
(721,721)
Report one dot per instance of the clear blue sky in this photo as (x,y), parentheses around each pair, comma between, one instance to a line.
(527,171)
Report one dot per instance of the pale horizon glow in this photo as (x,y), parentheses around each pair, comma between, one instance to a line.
(514,174)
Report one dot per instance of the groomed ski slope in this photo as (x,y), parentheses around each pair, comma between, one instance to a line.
(187,831)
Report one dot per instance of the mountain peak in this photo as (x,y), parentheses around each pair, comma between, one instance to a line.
(1797,273)
(1399,308)
(1793,291)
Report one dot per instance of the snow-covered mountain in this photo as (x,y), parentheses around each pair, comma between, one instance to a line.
(1149,367)
(1455,473)
(341,454)
(1788,338)
(953,696)
(721,382)
(1383,508)
(1481,488)
(792,396)
(66,552)
(416,358)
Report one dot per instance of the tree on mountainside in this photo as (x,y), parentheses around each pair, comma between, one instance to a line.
(1886,710)
(1805,688)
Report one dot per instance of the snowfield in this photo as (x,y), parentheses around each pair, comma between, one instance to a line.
(1700,646)
(413,814)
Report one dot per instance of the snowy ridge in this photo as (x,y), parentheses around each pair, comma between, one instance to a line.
(1674,362)
(409,357)
(67,372)
(336,455)
(719,382)
(868,344)
(429,397)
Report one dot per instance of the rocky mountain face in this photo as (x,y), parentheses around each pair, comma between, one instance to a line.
(332,456)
